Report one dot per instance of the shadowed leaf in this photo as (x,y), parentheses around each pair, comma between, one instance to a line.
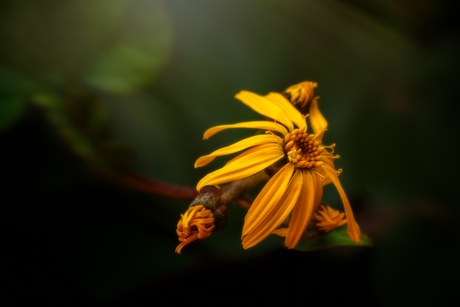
(334,238)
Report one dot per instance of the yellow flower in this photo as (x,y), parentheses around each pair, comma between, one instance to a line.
(196,223)
(298,186)
(329,218)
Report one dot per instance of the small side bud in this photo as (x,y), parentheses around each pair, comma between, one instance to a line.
(329,218)
(300,93)
(206,214)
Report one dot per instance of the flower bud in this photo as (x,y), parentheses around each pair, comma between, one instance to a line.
(205,215)
(329,218)
(300,93)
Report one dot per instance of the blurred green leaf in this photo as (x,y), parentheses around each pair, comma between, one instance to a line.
(11,109)
(143,47)
(80,119)
(52,41)
(13,84)
(58,115)
(115,45)
(14,92)
(334,238)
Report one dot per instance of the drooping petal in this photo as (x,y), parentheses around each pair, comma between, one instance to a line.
(318,191)
(265,125)
(353,228)
(238,146)
(317,120)
(275,215)
(264,107)
(302,211)
(262,157)
(270,194)
(291,112)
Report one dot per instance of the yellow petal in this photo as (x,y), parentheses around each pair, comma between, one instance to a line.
(317,120)
(318,190)
(265,125)
(251,150)
(302,211)
(275,215)
(280,232)
(238,146)
(270,194)
(262,157)
(264,107)
(353,228)
(291,112)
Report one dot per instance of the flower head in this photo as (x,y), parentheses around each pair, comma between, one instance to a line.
(296,188)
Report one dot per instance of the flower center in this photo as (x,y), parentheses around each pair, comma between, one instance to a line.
(302,150)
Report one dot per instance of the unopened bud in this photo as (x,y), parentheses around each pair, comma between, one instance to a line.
(206,214)
(300,93)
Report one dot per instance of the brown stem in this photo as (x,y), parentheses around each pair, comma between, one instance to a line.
(158,187)
(244,201)
(234,190)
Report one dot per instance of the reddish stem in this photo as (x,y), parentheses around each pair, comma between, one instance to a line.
(158,187)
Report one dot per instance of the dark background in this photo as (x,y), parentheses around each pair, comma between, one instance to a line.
(91,89)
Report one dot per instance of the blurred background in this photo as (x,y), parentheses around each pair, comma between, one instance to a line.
(93,90)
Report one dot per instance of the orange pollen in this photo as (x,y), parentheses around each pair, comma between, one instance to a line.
(303,150)
(196,223)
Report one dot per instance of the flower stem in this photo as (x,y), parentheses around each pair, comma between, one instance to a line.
(234,192)
(157,187)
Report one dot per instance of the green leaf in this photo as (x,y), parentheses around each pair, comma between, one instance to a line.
(57,114)
(11,109)
(334,238)
(123,69)
(12,83)
(80,120)
(114,45)
(14,92)
(140,51)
